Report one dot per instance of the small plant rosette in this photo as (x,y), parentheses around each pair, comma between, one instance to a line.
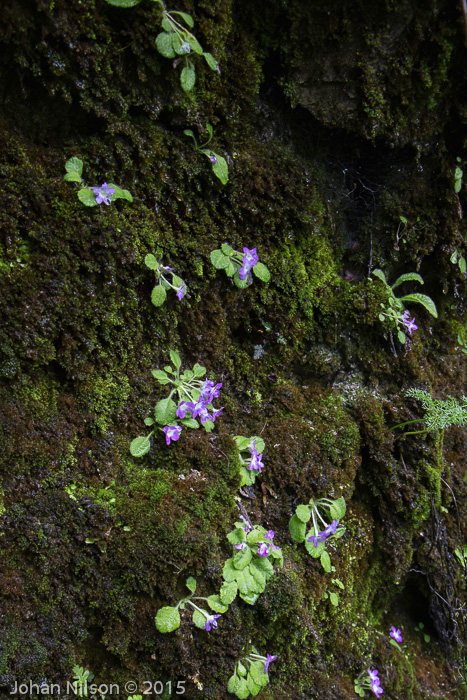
(192,408)
(161,272)
(218,162)
(316,516)
(252,564)
(93,196)
(240,266)
(168,618)
(251,673)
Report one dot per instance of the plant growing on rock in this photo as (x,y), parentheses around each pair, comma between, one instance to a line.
(394,312)
(92,196)
(252,464)
(315,538)
(439,414)
(240,266)
(194,397)
(252,563)
(368,680)
(176,41)
(159,293)
(168,617)
(218,163)
(251,673)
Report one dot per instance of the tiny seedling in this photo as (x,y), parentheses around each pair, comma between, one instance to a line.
(218,163)
(92,196)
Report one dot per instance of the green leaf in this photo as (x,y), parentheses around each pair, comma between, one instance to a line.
(325,560)
(190,423)
(313,551)
(453,257)
(458,173)
(401,337)
(259,443)
(210,131)
(264,565)
(262,272)
(247,477)
(165,411)
(403,219)
(337,509)
(158,295)
(87,197)
(241,442)
(462,264)
(237,536)
(381,317)
(195,45)
(199,619)
(303,513)
(253,687)
(216,604)
(120,194)
(175,359)
(297,529)
(167,619)
(256,535)
(209,426)
(72,177)
(188,78)
(226,249)
(258,674)
(167,24)
(423,300)
(199,370)
(228,592)
(188,19)
(219,260)
(151,262)
(242,691)
(188,132)
(149,421)
(245,581)
(242,558)
(229,572)
(458,186)
(221,169)
(241,284)
(123,3)
(380,275)
(139,446)
(408,277)
(191,584)
(88,540)
(231,269)
(74,165)
(164,44)
(233,683)
(211,61)
(259,578)
(161,376)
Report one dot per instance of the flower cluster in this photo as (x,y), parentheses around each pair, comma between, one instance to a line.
(375,683)
(159,293)
(316,538)
(250,674)
(195,398)
(410,325)
(239,266)
(368,682)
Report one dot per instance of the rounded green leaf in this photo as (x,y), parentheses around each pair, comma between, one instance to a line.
(164,44)
(221,169)
(190,423)
(337,508)
(191,584)
(241,284)
(424,300)
(334,598)
(74,165)
(165,412)
(160,375)
(216,604)
(229,572)
(401,337)
(219,260)
(199,370)
(232,685)
(253,687)
(228,592)
(87,197)
(231,269)
(258,674)
(175,359)
(167,619)
(72,177)
(149,421)
(195,45)
(158,295)
(227,249)
(242,558)
(188,19)
(199,619)
(139,446)
(313,551)
(303,513)
(242,442)
(462,264)
(188,78)
(211,61)
(120,194)
(237,536)
(151,262)
(262,272)
(297,529)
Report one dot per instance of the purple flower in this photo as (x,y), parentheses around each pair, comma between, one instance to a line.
(213,159)
(249,261)
(103,193)
(255,462)
(181,292)
(263,549)
(324,534)
(268,661)
(373,675)
(242,545)
(269,535)
(410,325)
(209,391)
(183,407)
(396,634)
(172,432)
(216,413)
(376,688)
(211,620)
(199,409)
